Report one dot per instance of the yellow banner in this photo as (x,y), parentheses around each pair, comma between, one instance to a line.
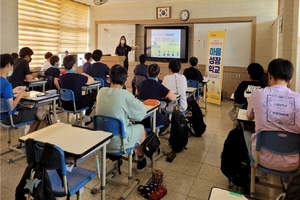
(214,65)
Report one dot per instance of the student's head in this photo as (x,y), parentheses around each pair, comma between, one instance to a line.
(6,60)
(255,71)
(66,52)
(97,54)
(142,58)
(174,65)
(281,69)
(54,60)
(48,55)
(26,53)
(88,56)
(153,70)
(193,61)
(118,74)
(69,62)
(122,40)
(15,56)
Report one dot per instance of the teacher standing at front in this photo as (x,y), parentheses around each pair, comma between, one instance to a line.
(123,49)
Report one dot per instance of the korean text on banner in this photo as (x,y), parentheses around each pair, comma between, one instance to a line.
(214,65)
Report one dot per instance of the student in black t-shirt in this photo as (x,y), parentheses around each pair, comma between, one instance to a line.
(21,68)
(192,73)
(53,74)
(74,81)
(243,91)
(151,89)
(140,70)
(99,69)
(123,49)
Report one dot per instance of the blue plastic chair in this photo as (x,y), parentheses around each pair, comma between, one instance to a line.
(101,80)
(68,95)
(73,182)
(116,127)
(278,142)
(195,84)
(5,109)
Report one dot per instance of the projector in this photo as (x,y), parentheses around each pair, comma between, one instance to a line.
(100,2)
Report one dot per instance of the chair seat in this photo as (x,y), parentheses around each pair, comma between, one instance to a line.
(121,153)
(9,126)
(77,179)
(272,171)
(156,128)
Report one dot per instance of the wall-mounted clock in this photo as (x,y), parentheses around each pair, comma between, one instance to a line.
(184,15)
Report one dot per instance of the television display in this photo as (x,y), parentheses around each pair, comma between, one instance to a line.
(163,43)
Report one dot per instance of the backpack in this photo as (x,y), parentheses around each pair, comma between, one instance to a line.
(235,163)
(49,82)
(38,186)
(196,123)
(179,131)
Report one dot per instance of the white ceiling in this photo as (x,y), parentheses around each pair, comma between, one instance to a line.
(91,2)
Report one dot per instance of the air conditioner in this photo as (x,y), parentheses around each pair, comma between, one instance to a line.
(100,2)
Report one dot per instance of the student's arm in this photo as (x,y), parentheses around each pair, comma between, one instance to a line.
(135,109)
(199,76)
(90,79)
(251,102)
(107,70)
(56,83)
(239,93)
(14,102)
(171,96)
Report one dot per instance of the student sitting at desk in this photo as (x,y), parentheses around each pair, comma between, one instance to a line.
(99,69)
(47,63)
(255,72)
(53,74)
(177,83)
(21,70)
(19,115)
(192,73)
(151,89)
(140,73)
(74,81)
(86,66)
(118,103)
(275,108)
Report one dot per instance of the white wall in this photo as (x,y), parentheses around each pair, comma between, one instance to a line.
(9,26)
(265,11)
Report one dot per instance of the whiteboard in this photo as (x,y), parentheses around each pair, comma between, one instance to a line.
(237,44)
(109,36)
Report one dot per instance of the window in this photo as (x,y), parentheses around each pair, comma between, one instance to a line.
(52,25)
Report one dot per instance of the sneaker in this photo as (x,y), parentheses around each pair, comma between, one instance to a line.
(143,164)
(86,123)
(86,118)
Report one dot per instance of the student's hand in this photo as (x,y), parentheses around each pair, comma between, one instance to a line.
(18,89)
(34,75)
(22,94)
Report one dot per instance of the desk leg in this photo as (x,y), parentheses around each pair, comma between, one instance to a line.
(44,87)
(54,110)
(103,172)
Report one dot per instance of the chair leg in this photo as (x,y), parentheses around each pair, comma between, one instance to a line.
(79,194)
(252,181)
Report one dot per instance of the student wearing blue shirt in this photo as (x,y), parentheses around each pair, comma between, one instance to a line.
(53,74)
(151,89)
(19,115)
(74,81)
(99,69)
(140,70)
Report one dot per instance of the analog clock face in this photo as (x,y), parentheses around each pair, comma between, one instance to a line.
(184,15)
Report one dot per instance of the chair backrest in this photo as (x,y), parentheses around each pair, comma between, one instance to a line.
(56,160)
(101,80)
(67,95)
(139,79)
(5,110)
(279,142)
(193,83)
(110,124)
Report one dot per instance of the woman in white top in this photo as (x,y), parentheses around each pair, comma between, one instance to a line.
(177,83)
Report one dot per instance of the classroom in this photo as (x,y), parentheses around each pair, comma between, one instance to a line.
(256,32)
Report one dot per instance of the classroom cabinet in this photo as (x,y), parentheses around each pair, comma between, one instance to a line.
(231,80)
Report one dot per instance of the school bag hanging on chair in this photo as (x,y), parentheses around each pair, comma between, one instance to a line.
(179,131)
(235,163)
(196,122)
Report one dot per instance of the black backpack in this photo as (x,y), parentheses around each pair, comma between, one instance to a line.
(49,82)
(196,123)
(40,185)
(179,131)
(235,163)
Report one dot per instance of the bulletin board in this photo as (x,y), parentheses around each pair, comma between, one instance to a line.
(109,36)
(237,52)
